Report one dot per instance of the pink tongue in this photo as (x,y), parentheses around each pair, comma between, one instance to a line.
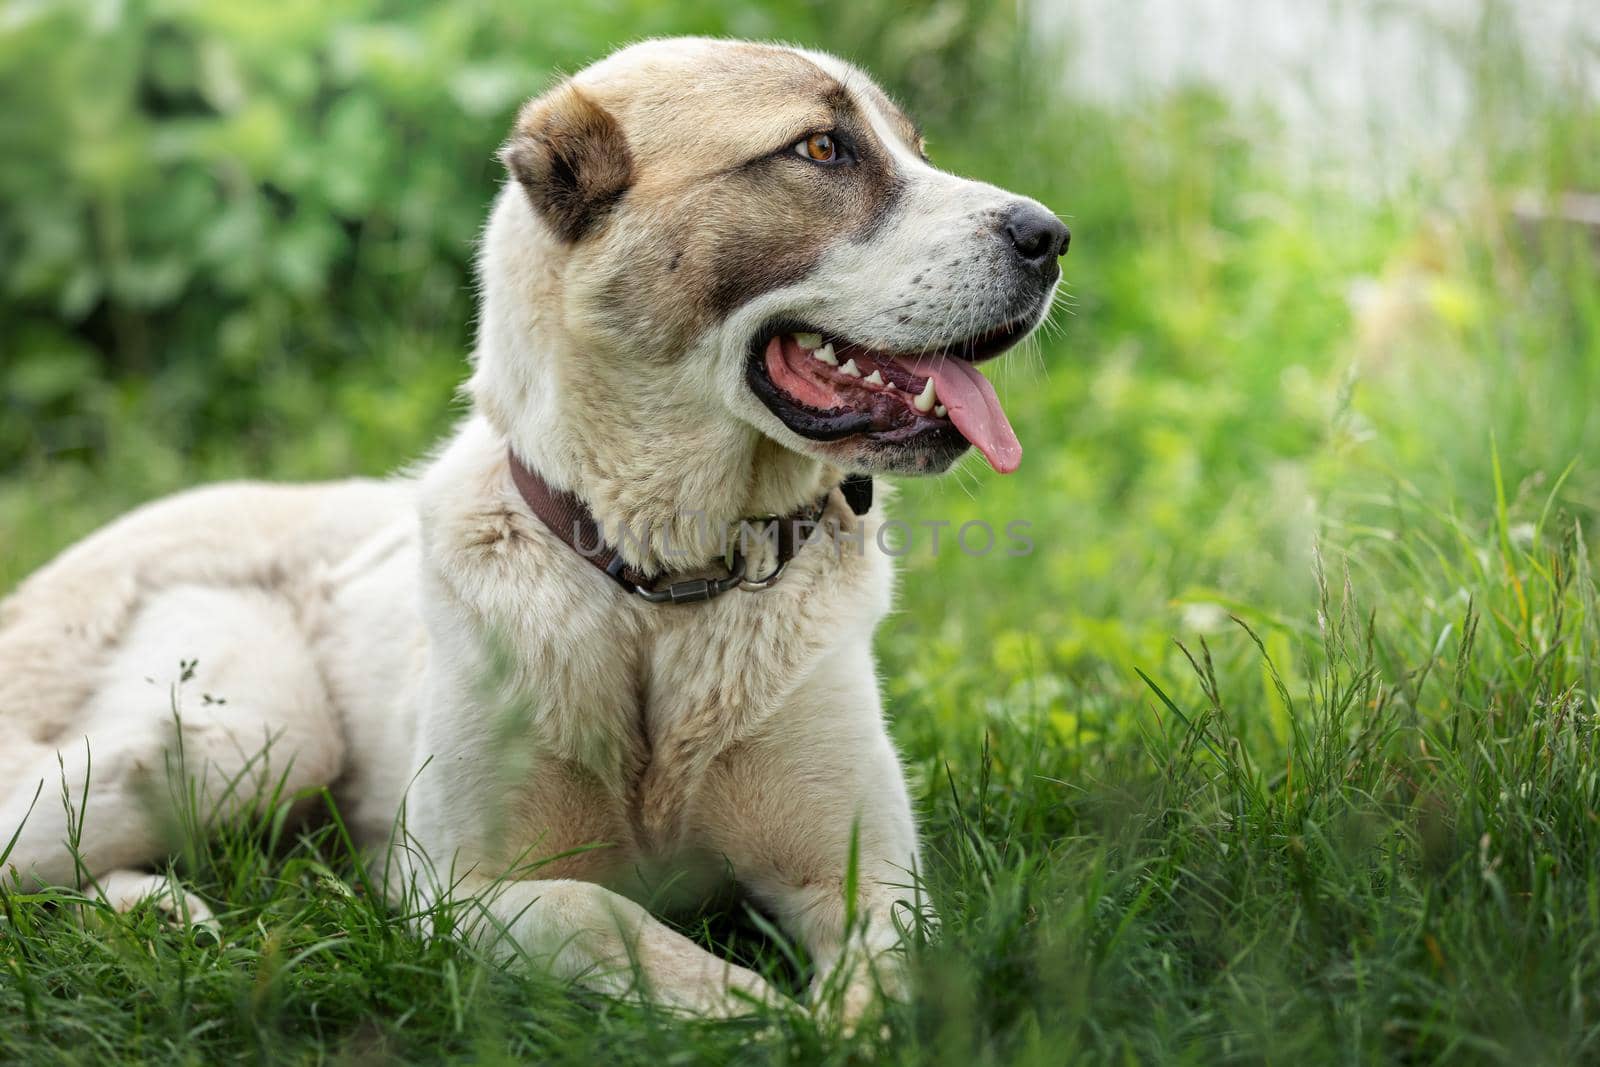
(973,408)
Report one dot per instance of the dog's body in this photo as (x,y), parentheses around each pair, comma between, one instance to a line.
(649,279)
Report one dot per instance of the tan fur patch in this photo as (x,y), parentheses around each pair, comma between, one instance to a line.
(571,157)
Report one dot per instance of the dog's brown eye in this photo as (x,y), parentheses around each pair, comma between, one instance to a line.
(819,148)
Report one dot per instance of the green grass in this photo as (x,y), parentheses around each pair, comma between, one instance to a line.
(1281,747)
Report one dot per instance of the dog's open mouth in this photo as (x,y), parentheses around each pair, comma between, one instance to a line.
(826,388)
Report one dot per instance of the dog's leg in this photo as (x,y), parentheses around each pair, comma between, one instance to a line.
(251,717)
(585,933)
(793,809)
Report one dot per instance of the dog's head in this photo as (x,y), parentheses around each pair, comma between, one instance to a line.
(751,231)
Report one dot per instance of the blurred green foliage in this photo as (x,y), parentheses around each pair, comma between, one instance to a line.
(216,210)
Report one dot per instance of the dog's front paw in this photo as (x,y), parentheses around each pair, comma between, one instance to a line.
(746,993)
(854,995)
(126,890)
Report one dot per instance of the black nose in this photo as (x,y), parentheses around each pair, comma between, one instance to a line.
(1038,236)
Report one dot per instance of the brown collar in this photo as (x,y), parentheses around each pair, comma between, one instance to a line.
(569,518)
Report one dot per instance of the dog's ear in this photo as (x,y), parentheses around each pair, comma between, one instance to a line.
(571,158)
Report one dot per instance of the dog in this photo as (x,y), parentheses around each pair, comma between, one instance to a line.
(721,288)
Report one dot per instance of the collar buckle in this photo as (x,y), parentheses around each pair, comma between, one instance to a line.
(697,590)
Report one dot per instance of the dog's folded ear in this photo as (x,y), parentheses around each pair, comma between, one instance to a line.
(571,158)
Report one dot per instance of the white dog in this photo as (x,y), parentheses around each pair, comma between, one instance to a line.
(723,284)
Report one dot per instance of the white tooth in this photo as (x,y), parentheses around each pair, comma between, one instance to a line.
(873,379)
(940,410)
(925,399)
(808,341)
(825,354)
(850,368)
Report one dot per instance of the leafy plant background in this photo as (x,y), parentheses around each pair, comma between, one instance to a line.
(215,210)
